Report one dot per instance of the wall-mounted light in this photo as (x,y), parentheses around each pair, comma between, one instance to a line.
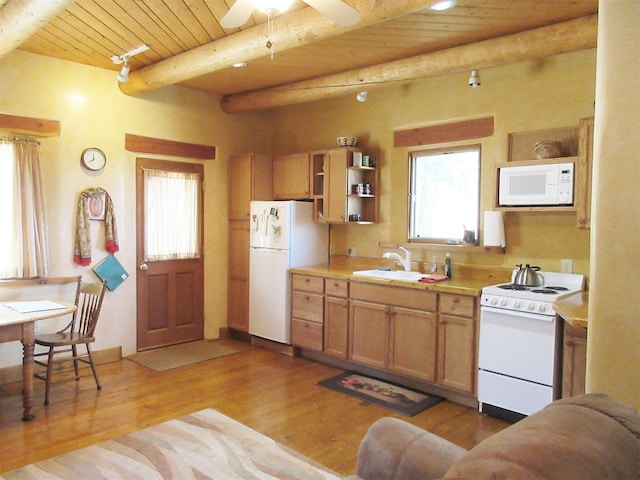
(442,6)
(361,97)
(474,79)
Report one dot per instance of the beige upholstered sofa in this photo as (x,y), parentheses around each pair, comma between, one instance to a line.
(586,437)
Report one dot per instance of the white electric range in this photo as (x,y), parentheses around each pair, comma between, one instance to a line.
(518,361)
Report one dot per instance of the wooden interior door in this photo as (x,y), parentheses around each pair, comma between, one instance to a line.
(170,293)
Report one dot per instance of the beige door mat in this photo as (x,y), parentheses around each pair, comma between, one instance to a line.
(181,355)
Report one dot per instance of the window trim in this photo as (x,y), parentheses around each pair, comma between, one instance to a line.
(438,241)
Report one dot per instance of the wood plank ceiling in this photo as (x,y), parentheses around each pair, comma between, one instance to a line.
(188,46)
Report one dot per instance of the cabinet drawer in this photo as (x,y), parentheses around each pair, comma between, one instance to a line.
(336,288)
(307,283)
(307,306)
(401,297)
(457,304)
(306,334)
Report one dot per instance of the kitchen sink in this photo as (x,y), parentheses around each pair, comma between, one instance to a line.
(391,275)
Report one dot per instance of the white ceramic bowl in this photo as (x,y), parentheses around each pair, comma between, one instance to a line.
(347,141)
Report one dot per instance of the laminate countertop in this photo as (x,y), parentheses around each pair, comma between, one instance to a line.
(574,308)
(466,280)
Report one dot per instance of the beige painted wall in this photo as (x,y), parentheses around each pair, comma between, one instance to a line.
(554,92)
(93,112)
(613,362)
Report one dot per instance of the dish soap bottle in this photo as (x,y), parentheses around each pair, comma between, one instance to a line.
(447,265)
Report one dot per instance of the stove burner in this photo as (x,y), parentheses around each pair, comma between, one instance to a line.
(559,289)
(513,286)
(546,291)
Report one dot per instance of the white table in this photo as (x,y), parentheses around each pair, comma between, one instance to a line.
(20,326)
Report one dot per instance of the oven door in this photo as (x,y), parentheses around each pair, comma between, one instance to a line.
(517,344)
(517,353)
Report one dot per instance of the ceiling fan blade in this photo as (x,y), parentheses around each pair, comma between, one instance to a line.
(238,14)
(336,10)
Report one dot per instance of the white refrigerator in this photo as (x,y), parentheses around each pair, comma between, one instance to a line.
(283,236)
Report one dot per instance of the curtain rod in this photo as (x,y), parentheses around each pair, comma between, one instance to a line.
(17,139)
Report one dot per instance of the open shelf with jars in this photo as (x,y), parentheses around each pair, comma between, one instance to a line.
(344,184)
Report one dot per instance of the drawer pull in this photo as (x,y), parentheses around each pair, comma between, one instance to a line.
(307,280)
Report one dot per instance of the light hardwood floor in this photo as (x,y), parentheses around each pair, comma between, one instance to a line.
(272,393)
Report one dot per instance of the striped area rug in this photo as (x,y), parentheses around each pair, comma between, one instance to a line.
(202,445)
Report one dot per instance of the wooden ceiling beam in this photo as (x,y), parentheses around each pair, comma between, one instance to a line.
(19,19)
(570,36)
(291,30)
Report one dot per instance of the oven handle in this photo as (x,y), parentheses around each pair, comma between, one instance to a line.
(518,313)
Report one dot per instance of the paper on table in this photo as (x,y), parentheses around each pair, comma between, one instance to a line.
(35,306)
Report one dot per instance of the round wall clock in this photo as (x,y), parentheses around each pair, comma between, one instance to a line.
(93,159)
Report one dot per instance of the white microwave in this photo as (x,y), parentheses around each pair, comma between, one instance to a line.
(536,184)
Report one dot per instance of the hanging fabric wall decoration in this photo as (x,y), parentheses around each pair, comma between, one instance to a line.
(88,200)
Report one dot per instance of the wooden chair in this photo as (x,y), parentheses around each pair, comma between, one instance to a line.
(80,331)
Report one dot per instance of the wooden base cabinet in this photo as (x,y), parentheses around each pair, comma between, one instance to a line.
(457,327)
(369,333)
(413,343)
(336,317)
(421,334)
(574,360)
(307,312)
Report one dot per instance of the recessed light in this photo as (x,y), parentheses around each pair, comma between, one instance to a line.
(239,65)
(444,5)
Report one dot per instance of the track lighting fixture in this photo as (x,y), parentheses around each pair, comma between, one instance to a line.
(474,79)
(361,97)
(123,75)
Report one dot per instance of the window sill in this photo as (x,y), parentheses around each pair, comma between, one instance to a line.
(450,248)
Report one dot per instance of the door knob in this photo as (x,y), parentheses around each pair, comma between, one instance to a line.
(143,266)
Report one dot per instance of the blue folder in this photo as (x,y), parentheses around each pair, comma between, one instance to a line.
(111,270)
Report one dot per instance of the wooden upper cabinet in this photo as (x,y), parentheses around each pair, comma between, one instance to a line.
(291,177)
(335,197)
(584,173)
(250,178)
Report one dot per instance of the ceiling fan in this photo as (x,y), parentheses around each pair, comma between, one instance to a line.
(336,10)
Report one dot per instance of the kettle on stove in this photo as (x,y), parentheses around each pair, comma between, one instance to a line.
(527,276)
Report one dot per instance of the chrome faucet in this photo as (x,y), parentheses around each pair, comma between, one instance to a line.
(405,262)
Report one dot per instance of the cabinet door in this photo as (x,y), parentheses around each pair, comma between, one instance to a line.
(238,304)
(239,186)
(249,178)
(369,333)
(335,196)
(413,343)
(574,361)
(457,353)
(238,276)
(336,326)
(291,177)
(238,255)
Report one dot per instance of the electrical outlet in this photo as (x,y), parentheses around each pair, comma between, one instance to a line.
(566,265)
(351,251)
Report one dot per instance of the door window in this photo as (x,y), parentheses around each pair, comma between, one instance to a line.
(172,206)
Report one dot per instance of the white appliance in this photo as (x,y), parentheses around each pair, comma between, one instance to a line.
(518,362)
(283,235)
(539,184)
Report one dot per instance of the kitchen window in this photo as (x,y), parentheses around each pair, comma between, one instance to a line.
(444,195)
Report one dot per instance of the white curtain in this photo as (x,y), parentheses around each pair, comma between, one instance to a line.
(23,247)
(172,206)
